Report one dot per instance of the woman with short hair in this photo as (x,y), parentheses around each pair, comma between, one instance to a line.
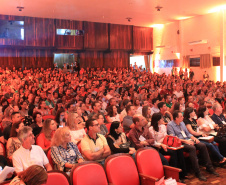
(65,154)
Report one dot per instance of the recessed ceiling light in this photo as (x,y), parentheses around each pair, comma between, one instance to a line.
(20,8)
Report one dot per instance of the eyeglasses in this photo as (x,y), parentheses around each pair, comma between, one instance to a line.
(96,124)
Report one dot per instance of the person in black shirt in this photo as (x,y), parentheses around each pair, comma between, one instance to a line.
(192,127)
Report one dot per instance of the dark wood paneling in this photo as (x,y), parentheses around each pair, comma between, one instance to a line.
(69,41)
(116,59)
(91,59)
(10,58)
(39,32)
(29,58)
(142,38)
(96,35)
(38,58)
(41,41)
(120,37)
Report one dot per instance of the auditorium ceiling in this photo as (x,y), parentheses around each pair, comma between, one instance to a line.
(141,12)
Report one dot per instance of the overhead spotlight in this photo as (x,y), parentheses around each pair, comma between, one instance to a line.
(129,19)
(158,8)
(20,8)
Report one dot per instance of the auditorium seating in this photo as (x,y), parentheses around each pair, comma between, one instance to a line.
(57,177)
(48,117)
(152,166)
(108,125)
(79,146)
(121,169)
(5,183)
(88,173)
(50,158)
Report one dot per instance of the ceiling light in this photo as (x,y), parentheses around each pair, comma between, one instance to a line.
(20,8)
(158,8)
(157,25)
(129,19)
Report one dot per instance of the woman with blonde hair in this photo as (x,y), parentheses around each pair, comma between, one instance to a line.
(48,130)
(74,123)
(64,152)
(15,100)
(34,175)
(7,117)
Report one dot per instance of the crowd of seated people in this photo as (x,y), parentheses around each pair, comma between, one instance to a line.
(108,111)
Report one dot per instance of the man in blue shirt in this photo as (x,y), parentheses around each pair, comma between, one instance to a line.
(177,128)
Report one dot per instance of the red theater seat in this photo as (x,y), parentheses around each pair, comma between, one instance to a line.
(108,125)
(88,173)
(48,117)
(5,183)
(50,158)
(121,170)
(57,177)
(149,163)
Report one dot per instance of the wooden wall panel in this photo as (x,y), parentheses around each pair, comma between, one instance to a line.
(10,58)
(142,38)
(91,59)
(96,36)
(116,59)
(38,58)
(39,32)
(120,37)
(68,41)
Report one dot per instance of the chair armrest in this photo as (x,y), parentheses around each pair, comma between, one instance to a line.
(147,180)
(171,172)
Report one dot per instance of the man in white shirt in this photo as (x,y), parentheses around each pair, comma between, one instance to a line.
(29,154)
(178,92)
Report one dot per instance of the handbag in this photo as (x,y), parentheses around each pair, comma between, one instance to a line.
(172,141)
(222,131)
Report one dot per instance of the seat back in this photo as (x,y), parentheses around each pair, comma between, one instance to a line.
(79,146)
(50,158)
(88,173)
(108,125)
(121,170)
(149,162)
(48,117)
(5,183)
(57,177)
(3,149)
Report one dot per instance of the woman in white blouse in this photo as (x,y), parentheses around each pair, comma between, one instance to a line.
(158,131)
(113,114)
(205,124)
(73,122)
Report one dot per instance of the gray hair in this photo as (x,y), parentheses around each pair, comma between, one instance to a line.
(215,106)
(23,133)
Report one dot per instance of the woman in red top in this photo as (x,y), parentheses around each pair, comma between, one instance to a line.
(48,130)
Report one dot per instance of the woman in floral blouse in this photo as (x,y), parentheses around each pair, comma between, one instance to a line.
(65,154)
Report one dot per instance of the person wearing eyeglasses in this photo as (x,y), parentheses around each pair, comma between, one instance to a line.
(94,146)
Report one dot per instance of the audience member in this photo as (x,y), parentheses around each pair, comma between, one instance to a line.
(65,154)
(177,128)
(94,146)
(29,154)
